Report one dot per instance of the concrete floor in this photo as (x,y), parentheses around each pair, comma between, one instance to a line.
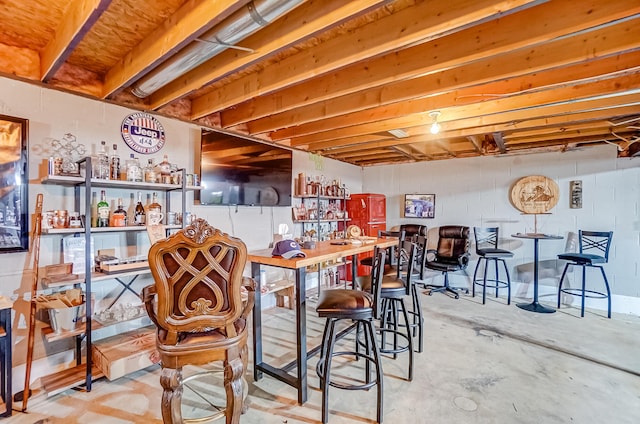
(488,363)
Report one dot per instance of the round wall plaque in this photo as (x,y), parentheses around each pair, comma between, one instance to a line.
(534,194)
(143,133)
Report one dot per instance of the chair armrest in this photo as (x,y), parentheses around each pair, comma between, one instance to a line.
(463,260)
(431,255)
(250,284)
(148,296)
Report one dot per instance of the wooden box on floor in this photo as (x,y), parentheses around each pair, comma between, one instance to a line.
(122,354)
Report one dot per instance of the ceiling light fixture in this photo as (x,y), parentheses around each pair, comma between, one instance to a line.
(398,133)
(435,127)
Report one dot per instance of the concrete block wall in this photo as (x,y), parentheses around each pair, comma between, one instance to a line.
(475,192)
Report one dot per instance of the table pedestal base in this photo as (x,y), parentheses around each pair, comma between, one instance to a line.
(535,307)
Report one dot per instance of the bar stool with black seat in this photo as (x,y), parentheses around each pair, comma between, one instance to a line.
(452,255)
(488,251)
(393,291)
(362,307)
(417,270)
(420,242)
(598,242)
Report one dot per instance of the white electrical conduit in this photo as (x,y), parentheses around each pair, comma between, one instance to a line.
(255,15)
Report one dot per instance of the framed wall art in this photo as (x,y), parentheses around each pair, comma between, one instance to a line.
(419,205)
(14,231)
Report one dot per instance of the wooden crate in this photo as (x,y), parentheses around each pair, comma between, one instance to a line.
(125,353)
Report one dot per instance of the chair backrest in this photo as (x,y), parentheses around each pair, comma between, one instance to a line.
(453,242)
(406,262)
(198,277)
(414,229)
(377,273)
(595,242)
(486,238)
(421,253)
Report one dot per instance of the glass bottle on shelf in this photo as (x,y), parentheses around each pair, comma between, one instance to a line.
(154,214)
(150,175)
(103,210)
(103,162)
(131,209)
(165,170)
(119,217)
(134,173)
(114,165)
(94,209)
(154,203)
(139,214)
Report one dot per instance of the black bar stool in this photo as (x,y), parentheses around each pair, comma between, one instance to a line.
(590,241)
(487,250)
(392,293)
(362,307)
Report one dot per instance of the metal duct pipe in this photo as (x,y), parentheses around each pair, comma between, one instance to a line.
(244,22)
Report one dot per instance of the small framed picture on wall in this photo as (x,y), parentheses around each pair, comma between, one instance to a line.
(419,205)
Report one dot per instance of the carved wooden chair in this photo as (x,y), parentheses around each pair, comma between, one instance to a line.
(196,304)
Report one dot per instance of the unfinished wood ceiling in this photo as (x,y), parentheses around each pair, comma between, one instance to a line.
(334,77)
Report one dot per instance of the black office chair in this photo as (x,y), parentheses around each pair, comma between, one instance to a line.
(487,251)
(452,255)
(589,241)
(362,307)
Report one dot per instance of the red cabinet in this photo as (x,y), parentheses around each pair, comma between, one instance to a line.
(369,212)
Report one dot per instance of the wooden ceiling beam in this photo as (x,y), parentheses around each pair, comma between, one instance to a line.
(551,80)
(305,21)
(490,38)
(189,22)
(557,129)
(532,103)
(359,143)
(79,17)
(565,135)
(477,144)
(422,21)
(571,58)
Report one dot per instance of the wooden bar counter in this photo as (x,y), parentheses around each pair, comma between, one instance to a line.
(324,251)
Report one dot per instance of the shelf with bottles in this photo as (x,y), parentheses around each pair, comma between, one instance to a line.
(104,229)
(88,189)
(106,169)
(72,181)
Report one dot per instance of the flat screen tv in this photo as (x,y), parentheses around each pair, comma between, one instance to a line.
(238,171)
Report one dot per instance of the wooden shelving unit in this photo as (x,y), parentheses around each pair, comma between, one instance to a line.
(85,372)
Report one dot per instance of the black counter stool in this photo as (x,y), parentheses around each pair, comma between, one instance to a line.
(589,241)
(487,250)
(393,291)
(362,307)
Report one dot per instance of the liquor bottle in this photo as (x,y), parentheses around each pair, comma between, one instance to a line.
(131,210)
(165,170)
(103,210)
(139,214)
(134,173)
(154,214)
(119,215)
(154,204)
(94,209)
(103,162)
(150,175)
(114,170)
(147,203)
